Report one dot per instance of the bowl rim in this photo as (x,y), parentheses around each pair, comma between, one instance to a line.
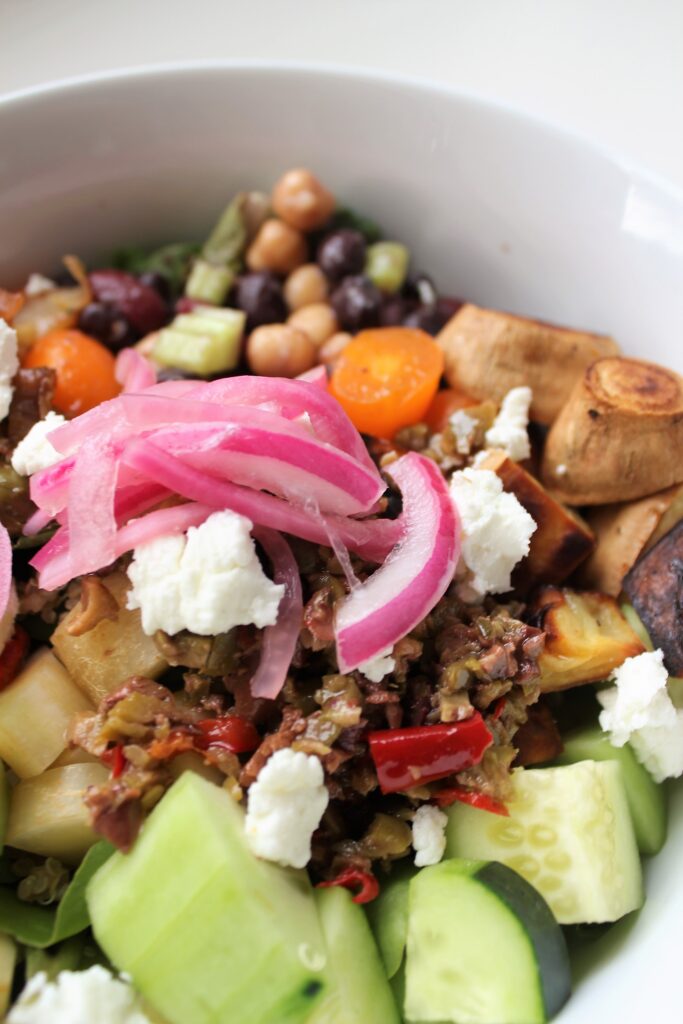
(334,70)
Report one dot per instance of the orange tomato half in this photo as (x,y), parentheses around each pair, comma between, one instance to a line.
(386,378)
(84,368)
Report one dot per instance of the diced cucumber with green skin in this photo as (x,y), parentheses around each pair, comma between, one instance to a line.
(569,834)
(209,283)
(483,947)
(646,799)
(388,916)
(386,264)
(208,932)
(358,990)
(204,342)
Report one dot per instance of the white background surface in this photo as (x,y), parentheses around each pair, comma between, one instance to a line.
(610,69)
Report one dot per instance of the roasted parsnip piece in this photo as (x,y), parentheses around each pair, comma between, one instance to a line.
(655,589)
(620,435)
(47,814)
(488,352)
(562,539)
(587,637)
(623,532)
(35,710)
(102,658)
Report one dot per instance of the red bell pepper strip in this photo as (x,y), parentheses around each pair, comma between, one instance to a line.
(12,656)
(447,796)
(355,879)
(410,757)
(232,732)
(116,760)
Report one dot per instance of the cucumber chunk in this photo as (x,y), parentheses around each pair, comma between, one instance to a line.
(388,916)
(646,800)
(205,341)
(358,990)
(208,932)
(569,834)
(483,947)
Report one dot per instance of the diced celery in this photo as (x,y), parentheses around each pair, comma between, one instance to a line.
(208,283)
(204,342)
(386,264)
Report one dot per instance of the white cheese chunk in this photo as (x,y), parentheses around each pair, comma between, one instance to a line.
(285,806)
(35,452)
(206,582)
(496,529)
(375,669)
(638,710)
(77,997)
(9,364)
(38,284)
(429,835)
(463,427)
(509,429)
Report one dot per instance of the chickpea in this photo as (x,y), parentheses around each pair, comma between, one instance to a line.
(329,352)
(304,286)
(317,320)
(280,350)
(300,199)
(277,247)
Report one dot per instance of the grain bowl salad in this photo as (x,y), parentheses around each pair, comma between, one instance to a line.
(340,628)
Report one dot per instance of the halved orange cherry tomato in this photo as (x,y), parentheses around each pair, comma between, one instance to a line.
(84,367)
(444,404)
(386,378)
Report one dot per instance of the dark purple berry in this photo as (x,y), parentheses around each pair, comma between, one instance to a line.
(420,289)
(394,310)
(151,279)
(427,318)
(357,303)
(106,323)
(143,307)
(342,253)
(259,294)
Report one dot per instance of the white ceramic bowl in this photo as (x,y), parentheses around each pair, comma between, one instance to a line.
(502,209)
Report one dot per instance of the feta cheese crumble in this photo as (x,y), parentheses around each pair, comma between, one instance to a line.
(509,429)
(9,364)
(463,427)
(429,835)
(38,284)
(35,452)
(496,529)
(285,806)
(77,997)
(375,669)
(638,710)
(207,581)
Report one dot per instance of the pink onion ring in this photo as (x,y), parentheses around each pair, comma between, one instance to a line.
(279,640)
(5,569)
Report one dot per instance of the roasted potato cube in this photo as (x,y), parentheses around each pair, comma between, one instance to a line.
(35,711)
(488,352)
(47,815)
(587,637)
(655,589)
(619,435)
(101,659)
(561,541)
(623,532)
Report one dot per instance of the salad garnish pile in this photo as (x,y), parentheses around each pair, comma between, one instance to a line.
(339,635)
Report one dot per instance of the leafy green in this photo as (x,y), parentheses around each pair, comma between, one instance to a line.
(345,217)
(41,927)
(171,261)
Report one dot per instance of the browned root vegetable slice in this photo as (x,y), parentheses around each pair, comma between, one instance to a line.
(655,589)
(562,539)
(623,532)
(587,637)
(35,710)
(47,814)
(488,352)
(620,435)
(538,740)
(101,659)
